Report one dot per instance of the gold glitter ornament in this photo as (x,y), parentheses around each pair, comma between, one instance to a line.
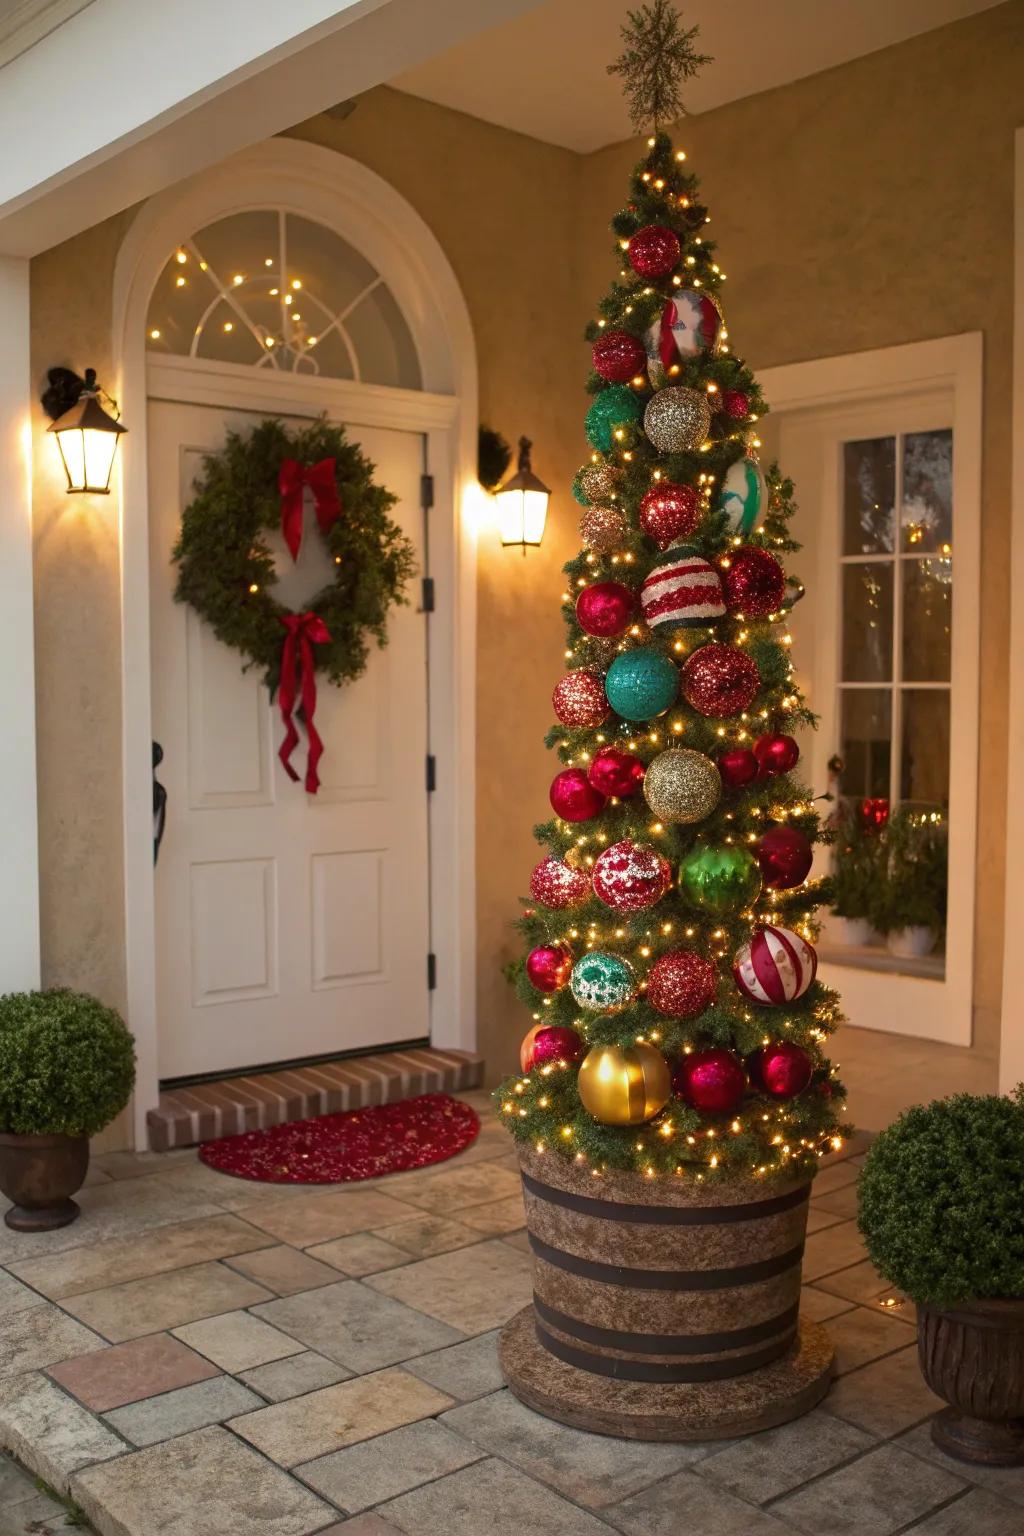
(598,481)
(681,785)
(677,419)
(602,529)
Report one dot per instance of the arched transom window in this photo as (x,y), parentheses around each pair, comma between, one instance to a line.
(269,289)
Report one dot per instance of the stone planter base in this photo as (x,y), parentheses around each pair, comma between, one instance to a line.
(39,1174)
(973,1356)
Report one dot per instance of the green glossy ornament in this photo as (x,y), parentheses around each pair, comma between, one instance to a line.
(719,878)
(603,983)
(614,407)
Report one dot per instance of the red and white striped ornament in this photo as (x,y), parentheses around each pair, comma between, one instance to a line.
(682,588)
(775,967)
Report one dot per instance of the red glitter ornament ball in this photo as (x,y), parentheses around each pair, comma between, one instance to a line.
(720,680)
(546,1043)
(549,967)
(605,608)
(754,582)
(618,356)
(556,885)
(735,404)
(710,1081)
(615,772)
(874,814)
(738,767)
(629,877)
(782,1070)
(785,857)
(776,754)
(654,250)
(573,797)
(579,699)
(669,512)
(681,984)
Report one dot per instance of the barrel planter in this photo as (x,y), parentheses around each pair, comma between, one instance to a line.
(664,1309)
(973,1357)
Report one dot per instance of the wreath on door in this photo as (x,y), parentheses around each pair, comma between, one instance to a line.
(257,482)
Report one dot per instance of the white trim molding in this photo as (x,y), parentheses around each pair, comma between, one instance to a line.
(915,387)
(318,184)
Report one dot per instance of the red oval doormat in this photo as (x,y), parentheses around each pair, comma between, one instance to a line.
(352,1144)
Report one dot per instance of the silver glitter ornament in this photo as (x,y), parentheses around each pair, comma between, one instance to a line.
(681,785)
(598,481)
(602,529)
(677,419)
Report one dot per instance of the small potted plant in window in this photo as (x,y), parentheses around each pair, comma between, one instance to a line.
(913,903)
(942,1213)
(67,1068)
(856,876)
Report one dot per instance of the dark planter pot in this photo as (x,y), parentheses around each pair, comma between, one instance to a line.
(973,1357)
(40,1174)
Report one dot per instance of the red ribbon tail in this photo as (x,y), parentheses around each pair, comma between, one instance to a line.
(286,699)
(289,483)
(321,481)
(316,746)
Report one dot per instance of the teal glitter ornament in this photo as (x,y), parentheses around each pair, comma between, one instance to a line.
(641,684)
(719,878)
(603,983)
(614,407)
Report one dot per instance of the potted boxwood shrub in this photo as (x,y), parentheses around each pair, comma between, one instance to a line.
(857,872)
(942,1213)
(67,1067)
(912,903)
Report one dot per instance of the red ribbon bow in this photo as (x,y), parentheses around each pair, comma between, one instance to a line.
(292,478)
(304,630)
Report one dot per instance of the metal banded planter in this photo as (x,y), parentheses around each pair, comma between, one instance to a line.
(664,1310)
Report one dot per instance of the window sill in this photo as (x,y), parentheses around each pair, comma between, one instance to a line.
(874,957)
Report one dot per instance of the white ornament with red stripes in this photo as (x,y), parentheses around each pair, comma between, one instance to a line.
(682,588)
(775,967)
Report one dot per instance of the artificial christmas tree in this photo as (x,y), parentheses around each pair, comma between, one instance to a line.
(667,1157)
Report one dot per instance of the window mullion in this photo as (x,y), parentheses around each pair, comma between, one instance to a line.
(896,717)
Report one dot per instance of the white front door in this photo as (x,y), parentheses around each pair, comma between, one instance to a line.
(288,925)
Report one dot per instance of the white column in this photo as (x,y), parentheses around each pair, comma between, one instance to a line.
(19,842)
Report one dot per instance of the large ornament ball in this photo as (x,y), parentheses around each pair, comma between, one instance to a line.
(720,681)
(602,529)
(641,684)
(669,512)
(556,885)
(614,407)
(744,496)
(596,482)
(711,1082)
(775,967)
(689,322)
(579,699)
(618,356)
(677,420)
(549,967)
(681,785)
(738,767)
(654,250)
(753,581)
(782,1070)
(682,588)
(605,608)
(630,877)
(624,1085)
(573,797)
(735,404)
(681,984)
(785,857)
(602,983)
(719,879)
(776,754)
(615,772)
(549,1043)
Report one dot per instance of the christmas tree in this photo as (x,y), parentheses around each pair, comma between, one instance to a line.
(678,1026)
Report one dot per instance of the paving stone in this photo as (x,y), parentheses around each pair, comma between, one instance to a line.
(1005,1482)
(496,1217)
(819,1306)
(284,1270)
(237,1341)
(976,1514)
(361,1525)
(133,1258)
(761,1467)
(835,1248)
(685,1503)
(862,1335)
(41,1336)
(123,1373)
(379,1469)
(593,1470)
(313,1219)
(425,1236)
(356,1326)
(364,1253)
(204,1482)
(311,1426)
(861,1282)
(110,1212)
(176,1413)
(39,1516)
(164,1301)
(818,1218)
(15,1485)
(298,1374)
(519,1240)
(48,1432)
(834,1176)
(138,1165)
(464,1371)
(448,1193)
(839,1202)
(885,1397)
(489,1499)
(880,1493)
(15,1297)
(471,1288)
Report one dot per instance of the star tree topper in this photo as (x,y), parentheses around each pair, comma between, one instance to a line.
(659,55)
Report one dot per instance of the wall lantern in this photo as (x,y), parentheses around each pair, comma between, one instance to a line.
(522,503)
(86,434)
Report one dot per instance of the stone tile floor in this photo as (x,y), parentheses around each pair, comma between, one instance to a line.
(199,1356)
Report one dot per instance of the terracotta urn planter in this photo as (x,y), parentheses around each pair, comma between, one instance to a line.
(40,1174)
(664,1309)
(972,1355)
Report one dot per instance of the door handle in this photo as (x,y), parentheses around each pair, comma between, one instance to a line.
(159,802)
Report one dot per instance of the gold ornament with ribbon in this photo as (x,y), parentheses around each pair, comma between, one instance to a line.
(624,1085)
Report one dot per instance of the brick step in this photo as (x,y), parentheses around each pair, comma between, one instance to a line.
(186,1116)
